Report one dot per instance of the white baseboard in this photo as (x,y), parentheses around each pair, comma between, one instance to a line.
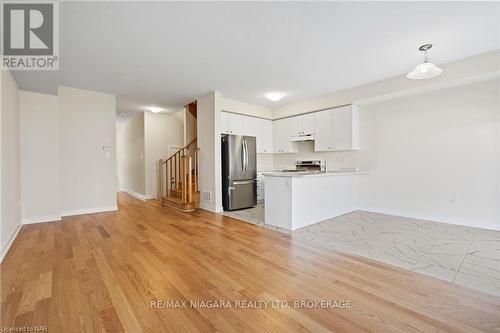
(9,243)
(474,224)
(207,206)
(137,194)
(41,219)
(89,211)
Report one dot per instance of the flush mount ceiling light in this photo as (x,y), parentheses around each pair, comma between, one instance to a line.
(427,70)
(275,96)
(154,109)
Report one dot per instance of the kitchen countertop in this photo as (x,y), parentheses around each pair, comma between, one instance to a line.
(313,173)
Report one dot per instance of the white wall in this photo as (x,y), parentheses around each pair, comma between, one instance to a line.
(208,128)
(88,173)
(234,106)
(130,155)
(161,131)
(10,212)
(39,138)
(455,73)
(190,126)
(433,156)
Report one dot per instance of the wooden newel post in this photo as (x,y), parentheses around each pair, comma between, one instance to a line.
(190,181)
(160,180)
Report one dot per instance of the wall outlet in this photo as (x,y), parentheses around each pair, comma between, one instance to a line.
(455,199)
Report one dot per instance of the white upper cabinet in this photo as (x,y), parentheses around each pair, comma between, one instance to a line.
(337,129)
(232,123)
(283,129)
(346,128)
(224,123)
(262,129)
(307,123)
(237,124)
(303,124)
(334,129)
(264,135)
(323,130)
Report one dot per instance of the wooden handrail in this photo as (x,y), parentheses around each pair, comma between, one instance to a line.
(176,174)
(186,147)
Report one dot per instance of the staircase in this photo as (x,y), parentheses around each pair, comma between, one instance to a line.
(178,179)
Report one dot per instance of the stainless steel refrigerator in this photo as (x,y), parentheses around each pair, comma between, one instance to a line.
(239,172)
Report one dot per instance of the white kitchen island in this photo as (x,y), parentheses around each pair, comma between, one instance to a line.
(294,200)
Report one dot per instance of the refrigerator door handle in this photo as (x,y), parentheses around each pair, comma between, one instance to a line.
(242,156)
(245,150)
(246,166)
(241,182)
(246,153)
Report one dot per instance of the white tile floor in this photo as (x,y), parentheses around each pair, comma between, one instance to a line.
(463,255)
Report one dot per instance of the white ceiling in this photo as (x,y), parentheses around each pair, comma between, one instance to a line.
(167,53)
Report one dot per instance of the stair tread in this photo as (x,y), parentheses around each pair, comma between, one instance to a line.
(175,199)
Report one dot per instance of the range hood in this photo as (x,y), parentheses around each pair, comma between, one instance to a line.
(302,137)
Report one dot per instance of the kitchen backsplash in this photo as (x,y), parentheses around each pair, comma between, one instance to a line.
(265,162)
(335,160)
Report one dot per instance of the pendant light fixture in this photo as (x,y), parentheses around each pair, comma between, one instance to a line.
(427,70)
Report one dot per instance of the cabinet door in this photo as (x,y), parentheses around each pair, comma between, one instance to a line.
(342,128)
(294,125)
(279,133)
(266,135)
(236,124)
(260,134)
(288,128)
(224,123)
(251,126)
(283,130)
(307,123)
(323,130)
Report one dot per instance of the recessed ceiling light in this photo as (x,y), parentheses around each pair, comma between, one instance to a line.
(154,109)
(275,96)
(427,70)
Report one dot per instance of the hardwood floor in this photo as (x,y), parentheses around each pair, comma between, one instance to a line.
(100,273)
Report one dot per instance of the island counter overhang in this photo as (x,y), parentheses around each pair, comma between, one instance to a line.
(296,200)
